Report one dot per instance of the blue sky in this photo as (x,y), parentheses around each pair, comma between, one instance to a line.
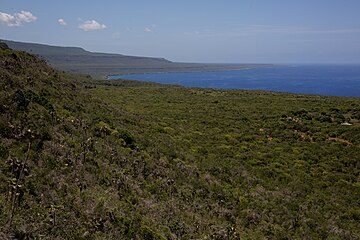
(238,31)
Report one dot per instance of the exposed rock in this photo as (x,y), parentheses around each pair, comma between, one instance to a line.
(4,45)
(21,100)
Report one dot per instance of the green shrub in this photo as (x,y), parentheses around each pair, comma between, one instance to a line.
(3,151)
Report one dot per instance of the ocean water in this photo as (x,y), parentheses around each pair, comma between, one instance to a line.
(330,80)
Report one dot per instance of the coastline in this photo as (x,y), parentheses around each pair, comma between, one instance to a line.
(325,80)
(198,71)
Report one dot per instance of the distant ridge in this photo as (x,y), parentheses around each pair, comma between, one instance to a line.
(44,49)
(78,60)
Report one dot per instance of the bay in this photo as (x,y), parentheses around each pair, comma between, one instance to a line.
(330,80)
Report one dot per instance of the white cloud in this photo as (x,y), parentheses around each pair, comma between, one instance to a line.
(91,25)
(147,29)
(62,22)
(17,19)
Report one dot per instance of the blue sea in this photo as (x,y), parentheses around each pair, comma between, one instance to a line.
(329,80)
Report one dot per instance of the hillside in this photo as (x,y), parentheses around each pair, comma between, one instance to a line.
(77,60)
(95,159)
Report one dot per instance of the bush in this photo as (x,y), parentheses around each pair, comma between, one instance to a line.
(3,151)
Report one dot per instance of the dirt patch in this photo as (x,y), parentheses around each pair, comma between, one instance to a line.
(340,140)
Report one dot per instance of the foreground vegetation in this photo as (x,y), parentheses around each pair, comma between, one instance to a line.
(86,159)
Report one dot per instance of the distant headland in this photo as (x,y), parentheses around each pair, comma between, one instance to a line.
(78,60)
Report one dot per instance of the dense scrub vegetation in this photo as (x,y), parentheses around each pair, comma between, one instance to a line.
(86,159)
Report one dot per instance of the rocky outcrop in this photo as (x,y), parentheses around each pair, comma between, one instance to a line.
(3,45)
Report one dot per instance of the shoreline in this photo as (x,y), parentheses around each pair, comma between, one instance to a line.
(197,71)
(278,78)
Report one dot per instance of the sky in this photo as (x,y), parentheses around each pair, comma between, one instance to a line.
(206,31)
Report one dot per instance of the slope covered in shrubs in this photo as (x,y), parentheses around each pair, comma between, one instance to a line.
(86,159)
